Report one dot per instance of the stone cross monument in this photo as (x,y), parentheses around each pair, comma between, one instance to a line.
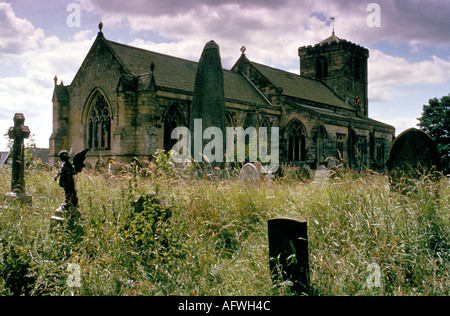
(18,133)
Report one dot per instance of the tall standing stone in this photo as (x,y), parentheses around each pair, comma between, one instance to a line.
(18,133)
(208,103)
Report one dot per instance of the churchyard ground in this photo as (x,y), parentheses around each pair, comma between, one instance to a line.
(209,236)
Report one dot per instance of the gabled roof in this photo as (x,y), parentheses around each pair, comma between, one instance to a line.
(300,87)
(179,74)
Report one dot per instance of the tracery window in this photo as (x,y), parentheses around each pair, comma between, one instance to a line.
(361,148)
(99,125)
(296,142)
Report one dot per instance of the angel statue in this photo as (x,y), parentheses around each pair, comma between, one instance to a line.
(66,179)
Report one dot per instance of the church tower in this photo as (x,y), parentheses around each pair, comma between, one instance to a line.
(342,66)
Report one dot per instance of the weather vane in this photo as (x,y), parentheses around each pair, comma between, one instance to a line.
(332,19)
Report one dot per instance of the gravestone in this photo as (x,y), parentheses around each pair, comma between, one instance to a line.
(18,133)
(332,162)
(208,103)
(321,175)
(269,177)
(249,174)
(412,154)
(258,166)
(288,252)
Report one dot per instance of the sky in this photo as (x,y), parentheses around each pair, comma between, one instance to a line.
(408,40)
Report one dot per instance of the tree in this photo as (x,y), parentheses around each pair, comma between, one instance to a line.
(435,121)
(30,146)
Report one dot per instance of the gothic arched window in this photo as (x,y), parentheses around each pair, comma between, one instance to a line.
(265,123)
(320,139)
(99,125)
(296,142)
(172,119)
(229,120)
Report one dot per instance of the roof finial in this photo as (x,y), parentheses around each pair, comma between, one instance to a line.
(332,19)
(100,27)
(55,80)
(243,49)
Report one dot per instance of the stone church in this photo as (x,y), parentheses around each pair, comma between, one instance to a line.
(125,101)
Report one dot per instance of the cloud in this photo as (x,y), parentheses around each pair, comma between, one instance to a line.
(388,72)
(259,25)
(407,21)
(155,8)
(16,35)
(35,59)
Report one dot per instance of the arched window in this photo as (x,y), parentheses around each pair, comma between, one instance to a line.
(265,123)
(172,119)
(230,120)
(296,139)
(99,124)
(340,146)
(321,67)
(321,136)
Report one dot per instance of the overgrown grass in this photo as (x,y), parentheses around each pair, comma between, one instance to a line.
(215,240)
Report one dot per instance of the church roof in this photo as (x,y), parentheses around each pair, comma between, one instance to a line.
(179,74)
(299,87)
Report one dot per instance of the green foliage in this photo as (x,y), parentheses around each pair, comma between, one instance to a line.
(435,121)
(14,271)
(208,237)
(147,224)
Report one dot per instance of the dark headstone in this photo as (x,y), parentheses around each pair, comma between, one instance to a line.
(208,102)
(18,133)
(288,252)
(412,154)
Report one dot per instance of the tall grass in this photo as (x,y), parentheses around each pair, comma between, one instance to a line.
(215,240)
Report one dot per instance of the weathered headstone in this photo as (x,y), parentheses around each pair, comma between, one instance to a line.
(332,162)
(412,154)
(288,252)
(321,175)
(208,103)
(249,174)
(18,133)
(269,177)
